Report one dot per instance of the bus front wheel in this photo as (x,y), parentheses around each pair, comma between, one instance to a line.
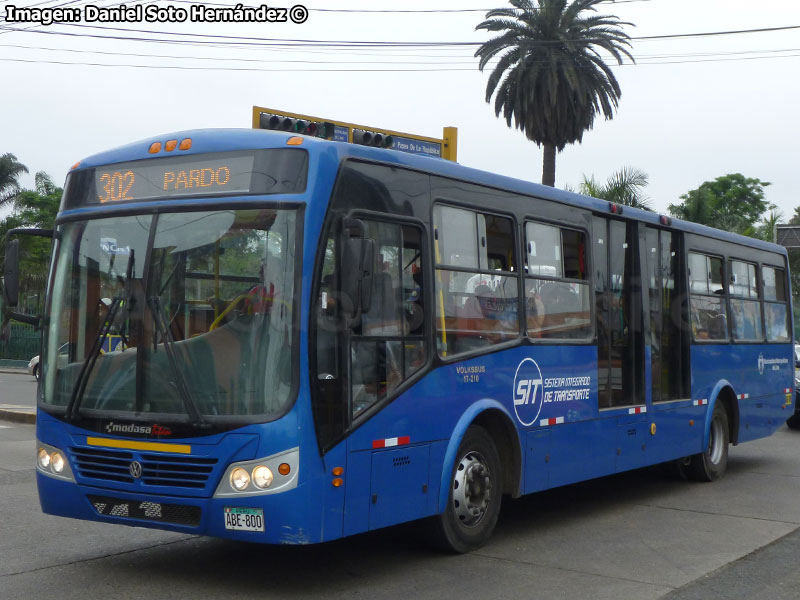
(711,464)
(473,503)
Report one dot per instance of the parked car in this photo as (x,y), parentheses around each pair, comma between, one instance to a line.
(33,367)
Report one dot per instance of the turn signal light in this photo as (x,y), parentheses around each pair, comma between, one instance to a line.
(337,471)
(337,482)
(284,469)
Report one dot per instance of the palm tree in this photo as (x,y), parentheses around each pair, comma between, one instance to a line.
(551,78)
(766,229)
(623,187)
(10,170)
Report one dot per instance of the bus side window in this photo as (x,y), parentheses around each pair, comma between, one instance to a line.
(556,286)
(388,345)
(476,280)
(745,305)
(708,306)
(775,304)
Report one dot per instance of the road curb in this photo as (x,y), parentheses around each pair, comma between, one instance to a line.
(18,416)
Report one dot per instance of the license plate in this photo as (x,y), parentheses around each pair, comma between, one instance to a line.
(244,519)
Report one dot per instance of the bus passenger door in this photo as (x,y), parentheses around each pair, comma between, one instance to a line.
(386,347)
(669,350)
(620,343)
(668,343)
(366,349)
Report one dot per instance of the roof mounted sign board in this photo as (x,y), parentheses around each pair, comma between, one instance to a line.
(338,131)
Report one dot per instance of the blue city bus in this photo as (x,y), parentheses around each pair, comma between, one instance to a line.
(314,339)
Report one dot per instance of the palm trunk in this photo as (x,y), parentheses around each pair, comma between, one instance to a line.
(549,165)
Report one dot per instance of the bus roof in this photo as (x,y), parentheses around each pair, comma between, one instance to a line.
(221,140)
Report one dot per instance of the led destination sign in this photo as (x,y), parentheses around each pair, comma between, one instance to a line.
(161,178)
(269,171)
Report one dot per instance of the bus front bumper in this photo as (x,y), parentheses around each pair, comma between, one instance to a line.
(285,518)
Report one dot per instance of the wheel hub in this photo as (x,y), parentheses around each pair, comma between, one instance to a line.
(472,489)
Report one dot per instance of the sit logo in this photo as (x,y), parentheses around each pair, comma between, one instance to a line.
(528,391)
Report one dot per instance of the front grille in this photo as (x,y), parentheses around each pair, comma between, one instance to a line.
(160,470)
(177,514)
(180,471)
(111,465)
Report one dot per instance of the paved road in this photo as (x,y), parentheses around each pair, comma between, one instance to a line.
(634,536)
(17,395)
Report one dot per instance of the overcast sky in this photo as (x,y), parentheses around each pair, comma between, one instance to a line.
(692,109)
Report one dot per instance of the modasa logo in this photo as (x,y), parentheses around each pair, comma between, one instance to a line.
(528,391)
(153,430)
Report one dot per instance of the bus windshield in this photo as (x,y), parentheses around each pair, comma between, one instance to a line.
(187,313)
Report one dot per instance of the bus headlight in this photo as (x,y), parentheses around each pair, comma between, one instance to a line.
(57,462)
(240,479)
(269,475)
(52,462)
(262,477)
(43,458)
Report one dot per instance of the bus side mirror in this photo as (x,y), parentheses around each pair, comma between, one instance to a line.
(11,275)
(358,256)
(11,280)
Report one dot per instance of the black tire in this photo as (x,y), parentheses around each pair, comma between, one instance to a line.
(677,469)
(36,372)
(793,422)
(473,503)
(711,464)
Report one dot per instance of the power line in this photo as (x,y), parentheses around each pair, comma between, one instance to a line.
(467,60)
(354,70)
(295,42)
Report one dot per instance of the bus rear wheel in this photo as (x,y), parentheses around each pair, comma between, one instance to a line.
(473,503)
(711,464)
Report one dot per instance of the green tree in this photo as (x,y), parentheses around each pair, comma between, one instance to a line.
(551,79)
(33,208)
(625,186)
(10,170)
(732,202)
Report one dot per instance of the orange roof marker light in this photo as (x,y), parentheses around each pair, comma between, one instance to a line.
(75,166)
(171,145)
(295,140)
(185,144)
(155,148)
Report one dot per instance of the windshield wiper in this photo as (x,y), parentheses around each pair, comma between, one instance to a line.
(108,321)
(163,328)
(88,363)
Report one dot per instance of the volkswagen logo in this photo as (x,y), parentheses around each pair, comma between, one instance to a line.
(135,469)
